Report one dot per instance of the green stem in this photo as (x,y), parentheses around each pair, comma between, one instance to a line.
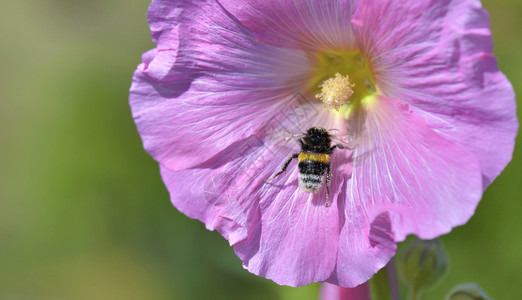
(379,286)
(392,280)
(414,294)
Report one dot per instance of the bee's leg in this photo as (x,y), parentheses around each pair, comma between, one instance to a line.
(336,146)
(284,167)
(340,147)
(328,179)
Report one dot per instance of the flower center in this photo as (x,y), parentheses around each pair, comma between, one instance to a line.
(336,91)
(341,77)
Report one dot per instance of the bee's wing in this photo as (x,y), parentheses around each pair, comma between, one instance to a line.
(347,141)
(282,136)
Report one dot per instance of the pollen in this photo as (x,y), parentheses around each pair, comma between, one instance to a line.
(335,91)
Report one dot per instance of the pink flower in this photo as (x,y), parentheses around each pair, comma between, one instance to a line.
(432,118)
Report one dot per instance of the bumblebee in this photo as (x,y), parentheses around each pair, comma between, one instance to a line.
(314,160)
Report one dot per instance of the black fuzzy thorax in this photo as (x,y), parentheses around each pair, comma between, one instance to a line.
(316,140)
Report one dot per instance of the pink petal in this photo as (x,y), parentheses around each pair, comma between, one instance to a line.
(295,240)
(292,238)
(444,68)
(194,101)
(407,165)
(407,179)
(311,24)
(278,231)
(392,27)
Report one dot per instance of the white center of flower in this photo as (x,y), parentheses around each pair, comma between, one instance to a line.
(335,91)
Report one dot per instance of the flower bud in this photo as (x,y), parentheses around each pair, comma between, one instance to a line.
(467,291)
(421,264)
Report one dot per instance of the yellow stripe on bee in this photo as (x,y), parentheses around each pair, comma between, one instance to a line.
(319,157)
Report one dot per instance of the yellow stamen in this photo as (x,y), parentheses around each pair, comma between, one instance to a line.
(335,91)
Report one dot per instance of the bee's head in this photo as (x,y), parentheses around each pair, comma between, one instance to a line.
(317,137)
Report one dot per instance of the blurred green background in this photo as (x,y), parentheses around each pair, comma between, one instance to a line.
(83,211)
